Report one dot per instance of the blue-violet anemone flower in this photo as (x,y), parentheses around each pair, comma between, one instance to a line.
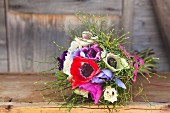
(104,74)
(61,60)
(94,89)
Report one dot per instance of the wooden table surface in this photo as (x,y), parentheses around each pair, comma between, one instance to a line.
(18,95)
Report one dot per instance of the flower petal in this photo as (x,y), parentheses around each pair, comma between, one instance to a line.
(61,60)
(118,65)
(82,92)
(77,72)
(104,74)
(110,94)
(94,52)
(67,64)
(94,89)
(120,83)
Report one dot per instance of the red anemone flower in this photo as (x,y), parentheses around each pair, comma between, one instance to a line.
(82,71)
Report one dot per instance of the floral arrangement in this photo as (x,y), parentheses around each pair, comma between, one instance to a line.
(97,68)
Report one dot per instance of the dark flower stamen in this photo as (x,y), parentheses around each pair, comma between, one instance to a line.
(112,62)
(93,53)
(86,70)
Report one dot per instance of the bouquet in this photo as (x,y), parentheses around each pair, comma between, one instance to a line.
(97,68)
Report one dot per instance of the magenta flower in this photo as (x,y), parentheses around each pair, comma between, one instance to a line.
(135,75)
(138,61)
(94,52)
(125,52)
(94,89)
(104,74)
(61,60)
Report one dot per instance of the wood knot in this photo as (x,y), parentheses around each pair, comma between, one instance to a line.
(168,106)
(9,107)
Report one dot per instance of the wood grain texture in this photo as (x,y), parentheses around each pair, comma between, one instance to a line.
(112,7)
(146,33)
(44,108)
(163,15)
(3,46)
(31,39)
(127,20)
(21,88)
(157,90)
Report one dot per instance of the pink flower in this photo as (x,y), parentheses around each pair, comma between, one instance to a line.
(136,65)
(94,89)
(124,50)
(135,75)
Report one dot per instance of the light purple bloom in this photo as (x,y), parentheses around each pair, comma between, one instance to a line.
(81,52)
(94,52)
(120,83)
(94,89)
(104,74)
(61,60)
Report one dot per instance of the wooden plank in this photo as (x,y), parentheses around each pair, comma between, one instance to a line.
(111,7)
(50,108)
(127,20)
(162,8)
(157,90)
(3,46)
(21,88)
(31,39)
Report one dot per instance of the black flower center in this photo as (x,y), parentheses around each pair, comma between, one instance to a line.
(112,62)
(86,70)
(93,53)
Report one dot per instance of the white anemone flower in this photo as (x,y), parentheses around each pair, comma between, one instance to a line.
(82,92)
(73,47)
(67,65)
(83,42)
(103,52)
(115,63)
(86,34)
(110,94)
(86,39)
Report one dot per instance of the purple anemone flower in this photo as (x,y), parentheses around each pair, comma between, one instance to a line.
(94,89)
(61,60)
(81,52)
(94,52)
(104,74)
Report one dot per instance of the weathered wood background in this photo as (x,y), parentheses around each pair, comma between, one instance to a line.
(28,28)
